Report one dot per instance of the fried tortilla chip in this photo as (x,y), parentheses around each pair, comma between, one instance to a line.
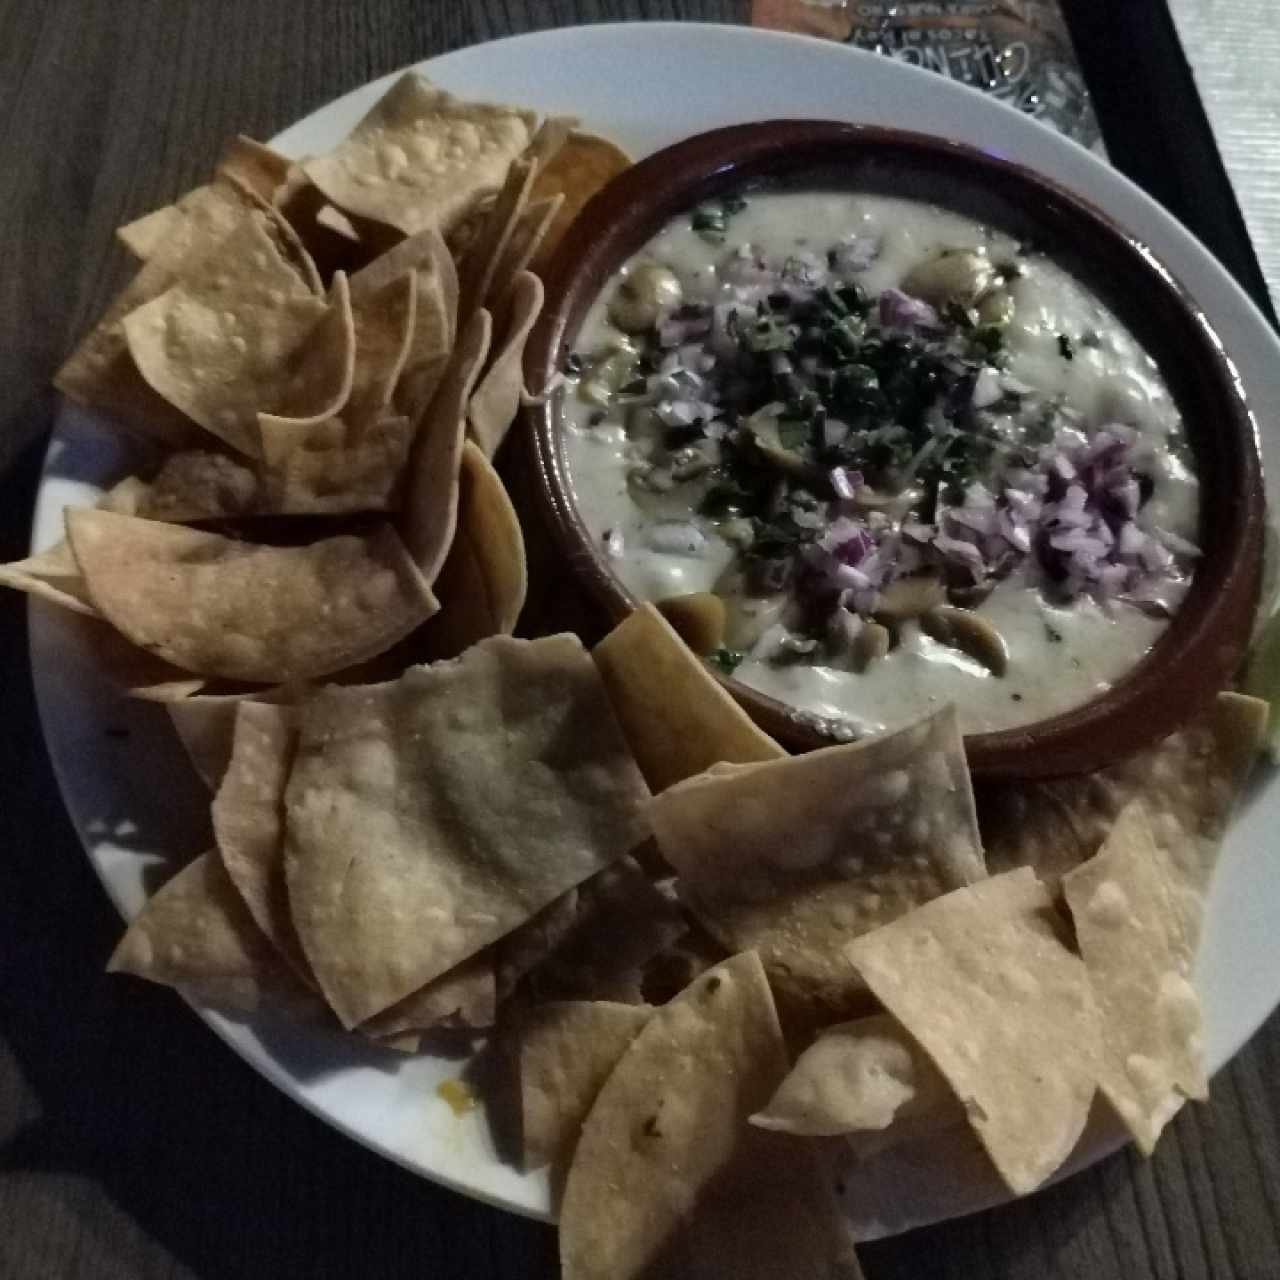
(669,1180)
(198,220)
(478,271)
(677,718)
(400,863)
(198,484)
(246,612)
(100,372)
(255,167)
(482,584)
(1129,927)
(496,400)
(621,921)
(531,230)
(248,821)
(529,944)
(856,1076)
(464,998)
(52,575)
(982,980)
(223,342)
(1189,783)
(421,157)
(584,164)
(798,856)
(196,934)
(429,512)
(566,1052)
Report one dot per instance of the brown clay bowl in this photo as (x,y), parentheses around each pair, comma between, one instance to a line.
(1204,644)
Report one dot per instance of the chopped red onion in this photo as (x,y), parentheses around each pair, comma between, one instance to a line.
(900,310)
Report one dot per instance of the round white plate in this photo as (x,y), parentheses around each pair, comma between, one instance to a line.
(137,805)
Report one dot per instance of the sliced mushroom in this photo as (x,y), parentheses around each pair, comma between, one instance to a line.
(871,643)
(699,618)
(970,633)
(909,598)
(955,275)
(643,295)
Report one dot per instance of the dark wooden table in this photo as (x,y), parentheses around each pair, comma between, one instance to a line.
(132,1143)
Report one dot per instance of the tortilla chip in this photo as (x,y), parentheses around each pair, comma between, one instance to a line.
(217,345)
(496,400)
(196,934)
(463,998)
(206,726)
(248,821)
(198,220)
(429,513)
(669,1180)
(584,164)
(421,157)
(483,581)
(567,1051)
(856,1076)
(677,718)
(531,231)
(257,614)
(529,944)
(478,271)
(100,372)
(1129,930)
(400,864)
(982,980)
(1189,783)
(255,167)
(620,922)
(52,575)
(798,856)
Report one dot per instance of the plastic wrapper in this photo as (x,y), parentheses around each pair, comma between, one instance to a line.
(1018,51)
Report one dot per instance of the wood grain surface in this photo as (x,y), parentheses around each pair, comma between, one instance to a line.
(134,1144)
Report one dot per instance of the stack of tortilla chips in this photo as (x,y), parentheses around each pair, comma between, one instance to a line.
(317,362)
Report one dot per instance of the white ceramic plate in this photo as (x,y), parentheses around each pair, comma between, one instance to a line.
(136,804)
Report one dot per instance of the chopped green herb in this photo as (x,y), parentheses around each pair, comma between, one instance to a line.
(574,364)
(793,433)
(711,221)
(727,660)
(1065,347)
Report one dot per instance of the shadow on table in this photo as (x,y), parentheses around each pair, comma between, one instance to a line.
(138,1098)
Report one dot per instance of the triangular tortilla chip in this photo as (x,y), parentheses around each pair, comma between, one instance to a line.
(429,512)
(483,257)
(248,821)
(197,221)
(1189,783)
(496,400)
(257,614)
(982,980)
(464,998)
(669,1180)
(218,343)
(527,239)
(797,856)
(400,863)
(678,719)
(421,157)
(52,575)
(857,1076)
(1130,932)
(254,166)
(584,164)
(197,935)
(566,1051)
(482,584)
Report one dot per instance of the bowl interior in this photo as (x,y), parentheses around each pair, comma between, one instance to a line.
(1199,652)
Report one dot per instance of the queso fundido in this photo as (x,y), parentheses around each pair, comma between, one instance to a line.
(918,460)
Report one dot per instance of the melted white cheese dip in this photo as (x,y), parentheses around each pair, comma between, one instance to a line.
(1059,656)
